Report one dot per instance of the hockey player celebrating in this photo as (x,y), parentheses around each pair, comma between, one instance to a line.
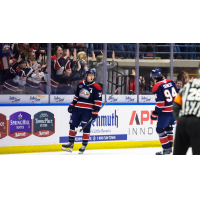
(86,105)
(165,91)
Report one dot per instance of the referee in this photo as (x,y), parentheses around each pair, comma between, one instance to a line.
(186,108)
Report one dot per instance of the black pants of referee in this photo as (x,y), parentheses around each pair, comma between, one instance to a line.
(187,135)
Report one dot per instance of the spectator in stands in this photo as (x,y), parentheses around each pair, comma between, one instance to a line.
(142,84)
(58,65)
(151,84)
(11,78)
(31,57)
(100,68)
(5,53)
(80,75)
(34,79)
(24,49)
(184,77)
(179,84)
(35,47)
(67,54)
(12,62)
(65,85)
(131,81)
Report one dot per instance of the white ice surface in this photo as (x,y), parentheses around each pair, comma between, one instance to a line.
(134,151)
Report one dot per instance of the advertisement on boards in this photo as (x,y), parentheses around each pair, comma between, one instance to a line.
(3,126)
(109,126)
(122,98)
(22,99)
(29,125)
(141,127)
(44,124)
(65,98)
(19,125)
(147,98)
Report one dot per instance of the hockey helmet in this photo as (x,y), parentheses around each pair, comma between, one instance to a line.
(91,71)
(156,73)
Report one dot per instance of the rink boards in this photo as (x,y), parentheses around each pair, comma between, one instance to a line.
(42,128)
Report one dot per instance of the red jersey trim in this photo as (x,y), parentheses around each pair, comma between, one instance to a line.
(156,86)
(84,105)
(95,112)
(54,84)
(160,104)
(75,98)
(57,65)
(97,86)
(164,140)
(98,104)
(168,109)
(10,87)
(68,64)
(79,82)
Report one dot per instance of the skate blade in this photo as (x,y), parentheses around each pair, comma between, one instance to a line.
(80,152)
(67,150)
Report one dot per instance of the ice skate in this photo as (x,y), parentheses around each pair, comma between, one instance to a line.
(164,152)
(82,149)
(68,147)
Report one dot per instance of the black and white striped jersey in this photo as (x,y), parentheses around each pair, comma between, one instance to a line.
(189,99)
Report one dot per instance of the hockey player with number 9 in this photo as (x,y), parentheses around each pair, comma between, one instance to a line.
(165,91)
(86,105)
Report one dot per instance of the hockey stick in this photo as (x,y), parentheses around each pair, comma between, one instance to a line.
(79,130)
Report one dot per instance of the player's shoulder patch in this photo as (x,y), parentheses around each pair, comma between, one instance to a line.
(80,82)
(97,86)
(156,86)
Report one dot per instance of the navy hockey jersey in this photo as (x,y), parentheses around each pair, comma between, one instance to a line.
(88,97)
(5,49)
(57,68)
(165,91)
(14,76)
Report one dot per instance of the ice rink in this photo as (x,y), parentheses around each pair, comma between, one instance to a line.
(134,151)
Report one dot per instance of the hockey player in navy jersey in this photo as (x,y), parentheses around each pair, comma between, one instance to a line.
(165,91)
(86,105)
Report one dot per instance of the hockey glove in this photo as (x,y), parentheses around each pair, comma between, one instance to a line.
(94,115)
(70,109)
(154,116)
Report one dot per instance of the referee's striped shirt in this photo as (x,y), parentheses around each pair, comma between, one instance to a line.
(189,99)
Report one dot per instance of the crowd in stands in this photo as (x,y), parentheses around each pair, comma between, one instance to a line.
(124,51)
(24,71)
(23,68)
(146,86)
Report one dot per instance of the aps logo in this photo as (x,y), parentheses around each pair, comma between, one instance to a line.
(144,117)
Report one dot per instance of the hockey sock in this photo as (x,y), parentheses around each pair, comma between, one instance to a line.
(72,134)
(86,137)
(170,135)
(163,138)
